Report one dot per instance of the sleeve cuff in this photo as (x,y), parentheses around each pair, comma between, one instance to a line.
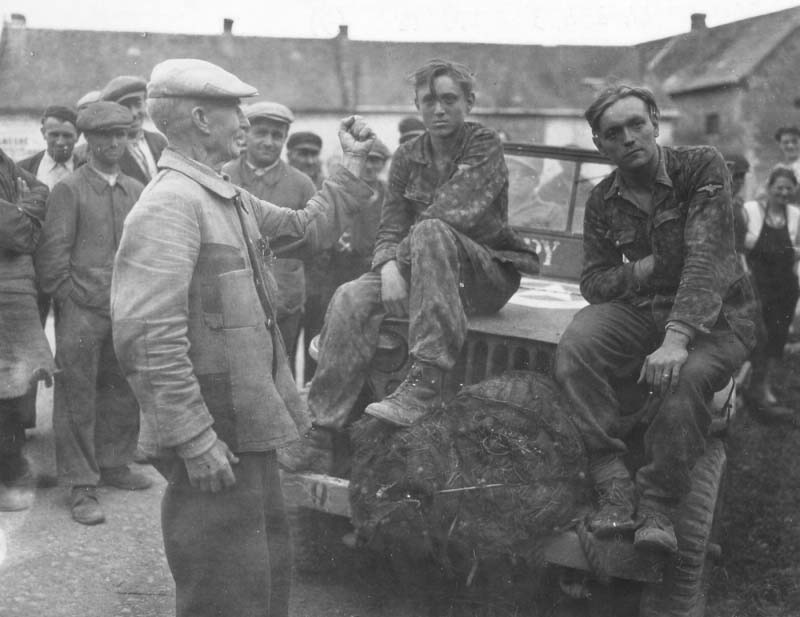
(681,328)
(197,445)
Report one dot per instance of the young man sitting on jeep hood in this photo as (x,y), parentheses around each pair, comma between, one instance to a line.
(444,250)
(669,305)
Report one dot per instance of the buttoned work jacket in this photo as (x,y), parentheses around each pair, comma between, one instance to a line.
(193,332)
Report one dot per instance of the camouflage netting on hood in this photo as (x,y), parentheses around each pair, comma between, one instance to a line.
(488,477)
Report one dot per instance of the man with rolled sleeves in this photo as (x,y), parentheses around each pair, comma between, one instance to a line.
(670,306)
(193,313)
(95,415)
(260,171)
(144,147)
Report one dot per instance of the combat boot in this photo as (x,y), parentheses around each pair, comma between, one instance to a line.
(615,498)
(312,452)
(655,530)
(419,394)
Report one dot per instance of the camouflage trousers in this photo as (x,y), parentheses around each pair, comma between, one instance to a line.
(449,277)
(598,361)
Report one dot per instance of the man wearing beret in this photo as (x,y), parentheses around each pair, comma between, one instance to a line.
(144,147)
(194,326)
(95,415)
(261,171)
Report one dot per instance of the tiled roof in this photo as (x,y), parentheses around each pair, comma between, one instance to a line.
(719,56)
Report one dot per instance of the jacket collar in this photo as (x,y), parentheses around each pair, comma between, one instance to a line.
(662,176)
(422,150)
(98,183)
(202,174)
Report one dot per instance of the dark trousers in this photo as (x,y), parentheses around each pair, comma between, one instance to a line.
(95,414)
(450,277)
(229,552)
(604,347)
(13,465)
(289,327)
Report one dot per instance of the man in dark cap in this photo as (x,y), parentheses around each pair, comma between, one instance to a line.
(409,128)
(669,308)
(261,171)
(303,150)
(193,312)
(144,147)
(95,415)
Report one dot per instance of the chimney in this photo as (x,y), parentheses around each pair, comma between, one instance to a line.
(17,20)
(346,69)
(698,22)
(227,26)
(342,31)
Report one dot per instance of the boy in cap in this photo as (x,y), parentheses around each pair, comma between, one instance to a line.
(144,147)
(261,171)
(409,128)
(193,312)
(95,415)
(303,150)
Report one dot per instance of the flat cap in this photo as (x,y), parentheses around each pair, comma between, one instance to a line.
(305,140)
(60,112)
(409,127)
(191,78)
(269,110)
(379,150)
(736,162)
(122,87)
(104,116)
(90,97)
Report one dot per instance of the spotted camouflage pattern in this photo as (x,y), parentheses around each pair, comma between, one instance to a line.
(697,279)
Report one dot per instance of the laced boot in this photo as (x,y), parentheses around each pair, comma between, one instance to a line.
(655,530)
(615,498)
(419,394)
(312,452)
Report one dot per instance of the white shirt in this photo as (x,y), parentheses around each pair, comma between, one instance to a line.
(50,172)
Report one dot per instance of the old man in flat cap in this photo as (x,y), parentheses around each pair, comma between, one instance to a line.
(144,147)
(261,171)
(95,415)
(194,326)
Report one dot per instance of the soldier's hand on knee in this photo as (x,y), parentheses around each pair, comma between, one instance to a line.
(394,290)
(211,471)
(661,369)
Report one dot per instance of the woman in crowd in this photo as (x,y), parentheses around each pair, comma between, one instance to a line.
(772,245)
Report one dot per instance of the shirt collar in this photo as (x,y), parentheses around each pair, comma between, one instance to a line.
(49,163)
(260,171)
(422,148)
(202,174)
(99,182)
(662,177)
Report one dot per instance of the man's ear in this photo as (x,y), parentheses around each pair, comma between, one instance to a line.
(200,120)
(416,103)
(655,127)
(596,142)
(44,133)
(470,101)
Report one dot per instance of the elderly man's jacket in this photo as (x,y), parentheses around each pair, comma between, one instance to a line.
(698,279)
(192,329)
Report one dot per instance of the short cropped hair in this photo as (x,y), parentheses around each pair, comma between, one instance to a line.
(611,95)
(786,130)
(781,172)
(428,72)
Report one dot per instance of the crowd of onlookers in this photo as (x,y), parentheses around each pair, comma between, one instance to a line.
(61,219)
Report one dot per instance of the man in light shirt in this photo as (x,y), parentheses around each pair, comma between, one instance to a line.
(144,147)
(58,160)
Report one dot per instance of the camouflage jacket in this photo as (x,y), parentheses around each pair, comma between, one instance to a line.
(697,280)
(471,196)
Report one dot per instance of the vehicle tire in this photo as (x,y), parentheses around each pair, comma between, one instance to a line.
(682,593)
